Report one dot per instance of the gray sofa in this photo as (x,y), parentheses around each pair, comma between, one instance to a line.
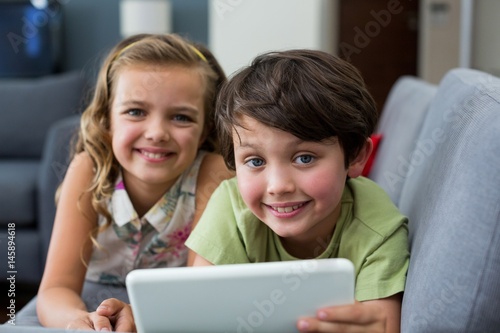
(28,174)
(439,160)
(440,163)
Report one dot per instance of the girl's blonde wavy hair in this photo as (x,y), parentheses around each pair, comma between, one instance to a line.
(145,49)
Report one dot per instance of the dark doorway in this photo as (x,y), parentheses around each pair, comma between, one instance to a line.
(380,38)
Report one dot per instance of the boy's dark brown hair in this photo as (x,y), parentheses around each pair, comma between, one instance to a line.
(311,94)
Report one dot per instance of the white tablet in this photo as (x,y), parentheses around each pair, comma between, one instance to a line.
(250,298)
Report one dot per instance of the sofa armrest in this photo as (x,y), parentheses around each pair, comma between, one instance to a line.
(55,161)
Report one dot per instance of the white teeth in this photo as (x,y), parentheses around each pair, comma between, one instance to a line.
(153,155)
(288,209)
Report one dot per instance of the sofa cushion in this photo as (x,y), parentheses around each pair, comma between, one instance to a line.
(27,264)
(400,124)
(452,200)
(18,180)
(376,138)
(55,162)
(30,106)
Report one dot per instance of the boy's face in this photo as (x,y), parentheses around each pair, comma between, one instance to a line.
(293,186)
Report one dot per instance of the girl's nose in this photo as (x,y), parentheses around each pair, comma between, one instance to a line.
(157,131)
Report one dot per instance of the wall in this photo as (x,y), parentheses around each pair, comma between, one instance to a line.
(241,29)
(439,39)
(92,28)
(486,36)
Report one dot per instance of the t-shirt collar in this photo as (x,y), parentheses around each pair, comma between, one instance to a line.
(123,211)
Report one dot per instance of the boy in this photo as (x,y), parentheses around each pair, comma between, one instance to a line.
(295,126)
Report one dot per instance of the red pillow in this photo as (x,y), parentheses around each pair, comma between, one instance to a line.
(368,166)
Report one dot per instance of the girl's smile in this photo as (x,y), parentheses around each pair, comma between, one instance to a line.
(154,154)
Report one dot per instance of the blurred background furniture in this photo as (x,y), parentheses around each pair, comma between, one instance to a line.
(452,199)
(449,174)
(28,176)
(32,35)
(399,127)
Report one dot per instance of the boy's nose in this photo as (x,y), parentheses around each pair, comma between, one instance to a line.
(280,181)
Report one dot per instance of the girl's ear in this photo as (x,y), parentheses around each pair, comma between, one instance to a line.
(202,139)
(357,165)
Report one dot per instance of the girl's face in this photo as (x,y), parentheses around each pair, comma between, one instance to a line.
(293,186)
(157,120)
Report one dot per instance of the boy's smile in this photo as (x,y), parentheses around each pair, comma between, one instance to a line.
(286,210)
(293,186)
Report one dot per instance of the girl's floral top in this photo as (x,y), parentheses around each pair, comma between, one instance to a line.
(155,240)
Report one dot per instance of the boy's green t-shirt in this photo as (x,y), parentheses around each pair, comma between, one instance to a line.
(370,232)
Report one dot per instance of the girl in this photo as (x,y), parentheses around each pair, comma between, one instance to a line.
(143,171)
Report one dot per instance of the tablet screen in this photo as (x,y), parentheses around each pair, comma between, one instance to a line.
(259,297)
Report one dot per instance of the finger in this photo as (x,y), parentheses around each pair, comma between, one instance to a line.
(101,323)
(357,313)
(357,317)
(125,320)
(110,307)
(316,325)
(119,313)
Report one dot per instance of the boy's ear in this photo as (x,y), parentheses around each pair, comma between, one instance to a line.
(357,165)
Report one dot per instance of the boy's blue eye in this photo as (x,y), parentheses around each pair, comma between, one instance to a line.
(304,159)
(255,162)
